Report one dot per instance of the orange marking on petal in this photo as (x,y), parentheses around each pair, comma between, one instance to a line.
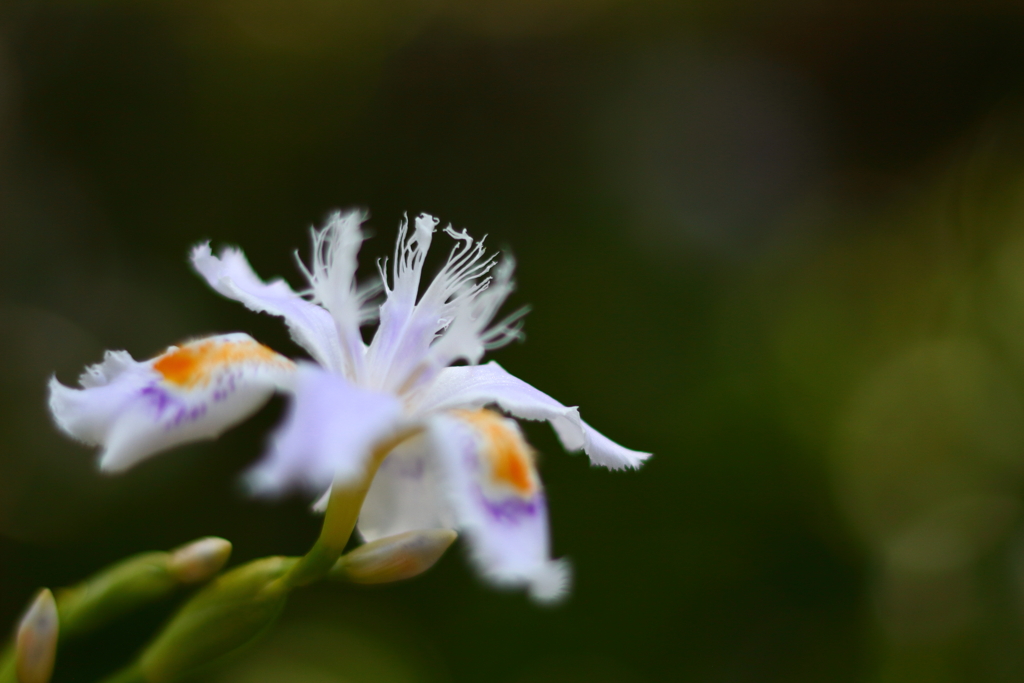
(509,456)
(193,363)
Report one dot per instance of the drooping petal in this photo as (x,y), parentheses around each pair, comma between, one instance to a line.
(327,436)
(311,326)
(480,385)
(406,494)
(498,500)
(188,393)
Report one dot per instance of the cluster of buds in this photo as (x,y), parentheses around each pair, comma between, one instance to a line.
(223,616)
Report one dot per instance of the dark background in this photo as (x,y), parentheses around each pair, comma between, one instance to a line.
(780,245)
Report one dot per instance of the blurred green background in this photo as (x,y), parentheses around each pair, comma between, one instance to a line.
(780,245)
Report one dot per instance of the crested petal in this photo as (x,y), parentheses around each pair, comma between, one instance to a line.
(403,337)
(498,500)
(473,286)
(328,434)
(480,385)
(332,283)
(311,326)
(406,494)
(451,320)
(188,393)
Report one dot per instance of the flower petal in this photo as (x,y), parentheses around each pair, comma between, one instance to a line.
(188,393)
(311,326)
(450,321)
(479,385)
(332,283)
(493,487)
(403,337)
(328,434)
(405,494)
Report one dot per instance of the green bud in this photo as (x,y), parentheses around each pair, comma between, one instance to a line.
(114,591)
(222,617)
(36,642)
(394,558)
(199,560)
(136,581)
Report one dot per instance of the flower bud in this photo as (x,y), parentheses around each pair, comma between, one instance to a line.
(36,642)
(114,591)
(136,581)
(199,560)
(225,615)
(394,558)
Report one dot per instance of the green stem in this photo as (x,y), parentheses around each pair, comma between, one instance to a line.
(8,673)
(340,519)
(129,674)
(311,567)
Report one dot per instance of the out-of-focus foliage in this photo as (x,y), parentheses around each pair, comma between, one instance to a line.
(780,245)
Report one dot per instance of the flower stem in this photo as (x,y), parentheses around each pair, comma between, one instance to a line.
(7,674)
(129,674)
(340,519)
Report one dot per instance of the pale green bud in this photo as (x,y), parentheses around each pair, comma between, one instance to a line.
(114,591)
(136,581)
(199,560)
(36,642)
(222,617)
(394,558)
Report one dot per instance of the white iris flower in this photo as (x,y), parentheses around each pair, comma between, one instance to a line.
(391,425)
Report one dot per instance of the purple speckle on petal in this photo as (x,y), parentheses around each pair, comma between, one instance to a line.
(162,401)
(185,414)
(511,510)
(157,397)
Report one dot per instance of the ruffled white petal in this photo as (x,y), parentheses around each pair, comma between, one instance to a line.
(311,326)
(327,436)
(402,338)
(189,393)
(472,295)
(480,385)
(451,320)
(406,494)
(499,503)
(332,284)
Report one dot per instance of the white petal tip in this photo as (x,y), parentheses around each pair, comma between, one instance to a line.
(551,585)
(631,461)
(200,251)
(60,404)
(605,452)
(112,462)
(259,483)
